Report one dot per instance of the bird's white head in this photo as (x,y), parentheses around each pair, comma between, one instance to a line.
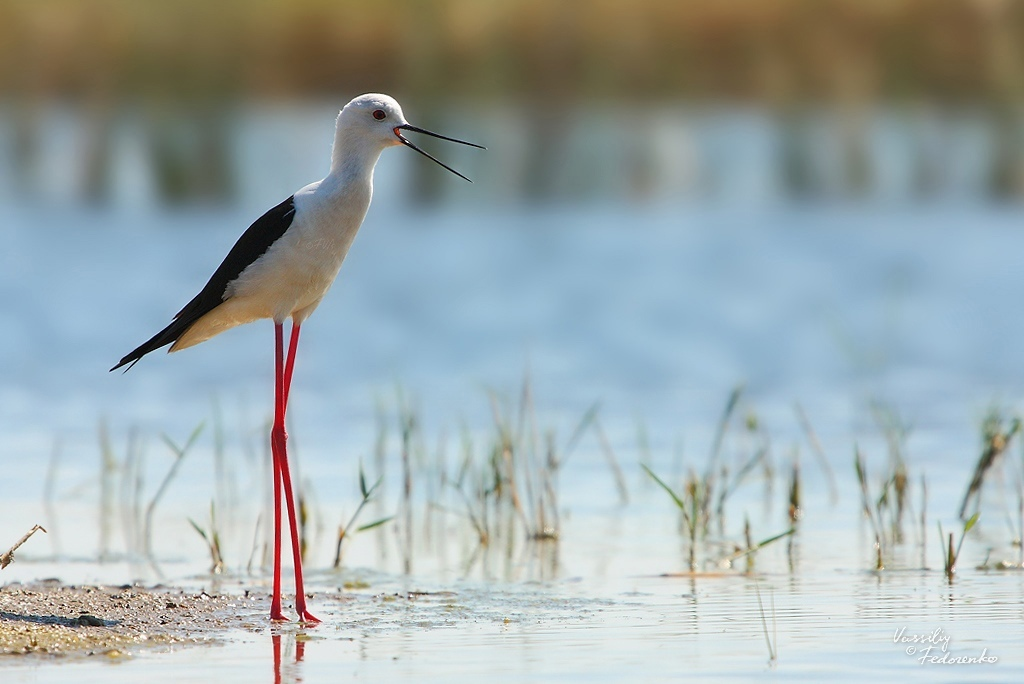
(373,117)
(376,121)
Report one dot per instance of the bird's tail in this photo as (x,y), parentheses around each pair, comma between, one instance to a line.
(163,338)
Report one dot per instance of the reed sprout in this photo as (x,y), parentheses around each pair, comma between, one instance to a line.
(950,553)
(996,435)
(179,453)
(347,530)
(492,493)
(212,540)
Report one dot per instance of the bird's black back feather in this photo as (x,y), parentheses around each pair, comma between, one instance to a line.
(253,244)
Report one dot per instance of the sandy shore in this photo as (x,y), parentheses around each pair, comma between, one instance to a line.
(55,619)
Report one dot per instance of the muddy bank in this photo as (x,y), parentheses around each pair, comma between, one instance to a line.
(54,619)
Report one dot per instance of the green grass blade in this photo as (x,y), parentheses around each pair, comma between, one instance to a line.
(769,540)
(375,523)
(197,528)
(661,483)
(971,522)
(581,427)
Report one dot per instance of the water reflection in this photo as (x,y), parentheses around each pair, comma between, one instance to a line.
(294,651)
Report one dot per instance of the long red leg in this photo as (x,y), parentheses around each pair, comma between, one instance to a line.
(300,595)
(275,448)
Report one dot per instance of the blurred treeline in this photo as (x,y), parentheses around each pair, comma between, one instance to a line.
(755,50)
(863,98)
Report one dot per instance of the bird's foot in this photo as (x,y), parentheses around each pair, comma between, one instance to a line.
(306,616)
(275,613)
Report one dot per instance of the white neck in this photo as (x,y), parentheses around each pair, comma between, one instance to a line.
(353,155)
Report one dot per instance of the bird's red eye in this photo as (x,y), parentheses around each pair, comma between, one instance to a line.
(380,114)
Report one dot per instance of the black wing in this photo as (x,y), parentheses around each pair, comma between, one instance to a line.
(253,244)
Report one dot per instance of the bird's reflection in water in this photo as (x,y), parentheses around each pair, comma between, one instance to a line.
(294,642)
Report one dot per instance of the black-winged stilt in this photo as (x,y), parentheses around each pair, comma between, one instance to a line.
(281,268)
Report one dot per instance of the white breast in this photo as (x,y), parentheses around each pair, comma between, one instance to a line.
(292,277)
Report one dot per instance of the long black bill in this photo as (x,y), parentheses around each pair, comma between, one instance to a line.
(416,129)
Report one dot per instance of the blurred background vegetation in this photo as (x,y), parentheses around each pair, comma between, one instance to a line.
(763,51)
(184,65)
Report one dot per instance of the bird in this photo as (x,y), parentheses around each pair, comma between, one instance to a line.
(282,266)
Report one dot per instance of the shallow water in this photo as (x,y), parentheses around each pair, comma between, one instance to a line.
(656,312)
(849,624)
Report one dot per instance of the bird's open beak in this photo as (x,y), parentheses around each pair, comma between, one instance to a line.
(408,143)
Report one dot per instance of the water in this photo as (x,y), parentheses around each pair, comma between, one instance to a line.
(654,310)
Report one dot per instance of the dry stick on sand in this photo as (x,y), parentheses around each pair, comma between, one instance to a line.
(8,557)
